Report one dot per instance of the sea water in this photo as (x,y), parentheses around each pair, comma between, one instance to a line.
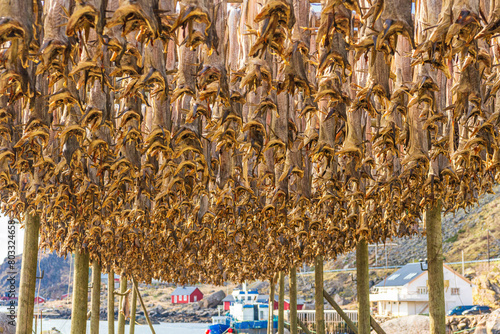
(64,326)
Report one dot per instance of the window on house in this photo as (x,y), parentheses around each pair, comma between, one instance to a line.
(393,277)
(410,276)
(195,298)
(422,290)
(455,291)
(175,299)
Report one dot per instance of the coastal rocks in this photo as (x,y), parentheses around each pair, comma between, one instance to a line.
(212,300)
(487,289)
(339,300)
(159,309)
(464,322)
(480,330)
(413,324)
(5,326)
(493,323)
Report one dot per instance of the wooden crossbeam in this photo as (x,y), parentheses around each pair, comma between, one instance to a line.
(341,312)
(303,326)
(348,321)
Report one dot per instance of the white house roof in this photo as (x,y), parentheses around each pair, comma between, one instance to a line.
(403,276)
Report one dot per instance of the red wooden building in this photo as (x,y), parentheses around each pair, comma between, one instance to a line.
(300,303)
(39,300)
(186,295)
(228,301)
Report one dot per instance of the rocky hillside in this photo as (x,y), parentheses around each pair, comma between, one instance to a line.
(55,270)
(463,231)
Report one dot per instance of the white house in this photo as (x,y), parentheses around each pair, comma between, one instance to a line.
(405,292)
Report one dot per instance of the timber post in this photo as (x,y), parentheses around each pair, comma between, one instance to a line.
(303,326)
(133,311)
(341,312)
(293,300)
(146,314)
(111,301)
(121,314)
(28,275)
(281,303)
(437,312)
(270,319)
(95,299)
(318,295)
(80,293)
(363,287)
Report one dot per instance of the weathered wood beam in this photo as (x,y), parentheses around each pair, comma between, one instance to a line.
(363,287)
(146,314)
(111,301)
(80,293)
(341,312)
(121,314)
(281,303)
(303,326)
(437,311)
(270,322)
(318,295)
(376,327)
(28,275)
(293,300)
(95,299)
(133,311)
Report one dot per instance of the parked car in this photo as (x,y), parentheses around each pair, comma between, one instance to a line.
(460,309)
(478,309)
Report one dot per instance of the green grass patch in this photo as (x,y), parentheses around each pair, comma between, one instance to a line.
(452,239)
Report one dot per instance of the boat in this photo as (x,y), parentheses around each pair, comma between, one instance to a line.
(246,312)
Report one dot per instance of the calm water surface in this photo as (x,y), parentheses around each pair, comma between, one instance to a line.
(168,328)
(64,326)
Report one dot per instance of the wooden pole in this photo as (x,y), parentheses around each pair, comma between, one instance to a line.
(293,300)
(376,326)
(437,312)
(270,322)
(121,315)
(341,312)
(318,295)
(28,275)
(363,287)
(281,303)
(95,298)
(111,302)
(347,320)
(69,278)
(80,293)
(303,326)
(143,307)
(132,312)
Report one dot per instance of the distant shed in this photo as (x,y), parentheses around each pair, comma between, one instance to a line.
(184,295)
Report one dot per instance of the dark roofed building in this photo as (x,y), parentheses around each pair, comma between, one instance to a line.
(228,301)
